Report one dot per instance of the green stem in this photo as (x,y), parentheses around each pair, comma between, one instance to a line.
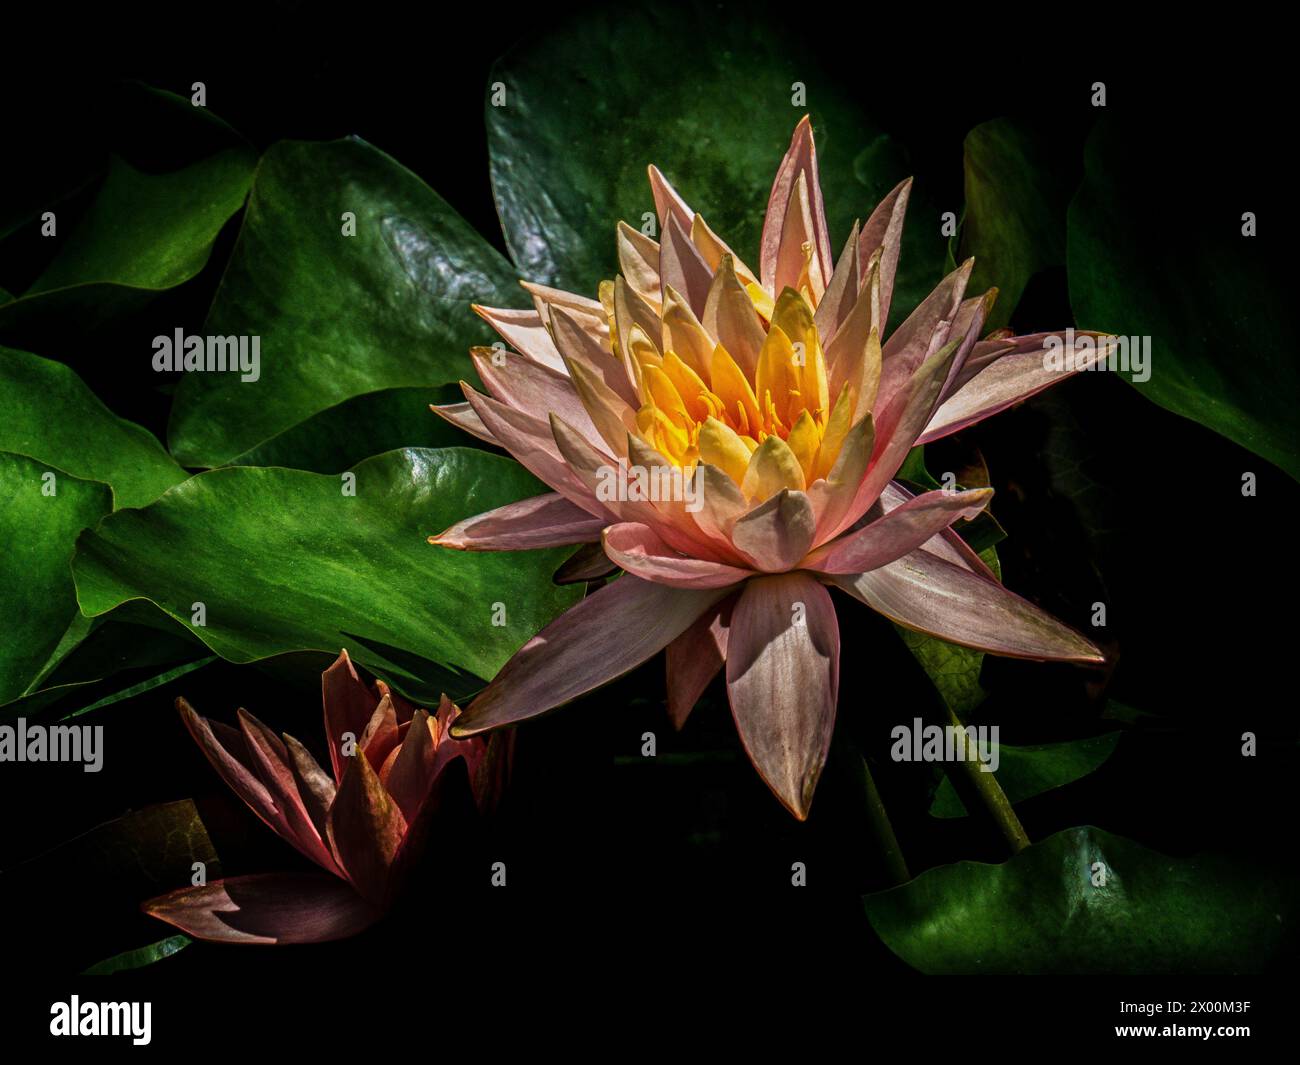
(990,792)
(895,865)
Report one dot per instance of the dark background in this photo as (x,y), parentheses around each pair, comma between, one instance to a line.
(1103,494)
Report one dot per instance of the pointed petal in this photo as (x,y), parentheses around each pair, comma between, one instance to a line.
(713,248)
(1007,381)
(776,534)
(730,318)
(524,331)
(926,330)
(349,706)
(266,908)
(462,416)
(883,233)
(895,534)
(227,751)
(841,292)
(682,267)
(638,260)
(270,759)
(578,346)
(382,733)
(547,300)
(800,158)
(365,829)
(783,673)
(796,235)
(547,520)
(668,205)
(316,787)
(640,551)
(532,388)
(530,441)
(411,777)
(694,659)
(608,633)
(685,336)
(931,595)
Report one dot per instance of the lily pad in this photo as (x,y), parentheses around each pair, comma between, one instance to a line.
(711,99)
(1025,772)
(283,560)
(1018,188)
(355,276)
(48,413)
(1209,298)
(1086,901)
(140,957)
(42,511)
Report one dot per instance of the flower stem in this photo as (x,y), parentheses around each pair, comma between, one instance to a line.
(895,865)
(990,792)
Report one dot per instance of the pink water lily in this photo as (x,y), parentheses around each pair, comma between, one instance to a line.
(783,412)
(364,823)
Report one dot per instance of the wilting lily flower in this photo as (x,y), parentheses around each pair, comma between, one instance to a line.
(731,437)
(364,824)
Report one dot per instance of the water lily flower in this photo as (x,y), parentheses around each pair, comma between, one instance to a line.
(785,408)
(364,823)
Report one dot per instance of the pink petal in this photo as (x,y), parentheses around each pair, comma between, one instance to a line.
(668,205)
(462,416)
(608,633)
(577,345)
(682,267)
(547,520)
(530,441)
(365,829)
(349,705)
(841,293)
(411,776)
(926,330)
(694,658)
(783,674)
(639,550)
(525,332)
(1004,382)
(800,158)
(267,908)
(382,732)
(884,232)
(532,388)
(947,545)
(778,532)
(270,759)
(227,752)
(895,534)
(316,787)
(929,594)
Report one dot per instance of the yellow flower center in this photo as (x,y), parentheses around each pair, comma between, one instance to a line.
(771,427)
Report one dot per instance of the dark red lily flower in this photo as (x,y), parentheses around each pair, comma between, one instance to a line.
(364,824)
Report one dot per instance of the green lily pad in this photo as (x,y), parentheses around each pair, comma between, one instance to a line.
(1025,772)
(47,412)
(1018,187)
(1085,901)
(338,438)
(282,560)
(146,229)
(708,97)
(1212,303)
(338,316)
(42,510)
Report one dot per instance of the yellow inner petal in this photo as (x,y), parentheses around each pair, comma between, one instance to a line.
(782,429)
